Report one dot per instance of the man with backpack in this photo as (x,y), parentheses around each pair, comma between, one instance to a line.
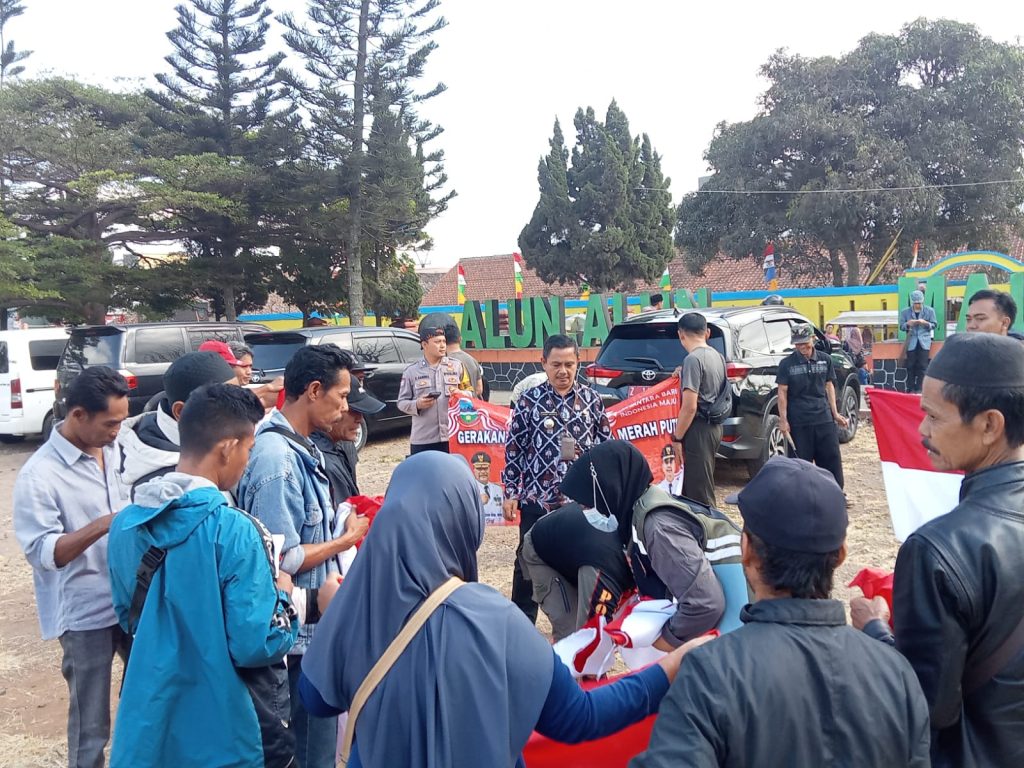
(807,403)
(705,402)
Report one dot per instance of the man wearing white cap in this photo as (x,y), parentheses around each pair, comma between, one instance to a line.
(918,322)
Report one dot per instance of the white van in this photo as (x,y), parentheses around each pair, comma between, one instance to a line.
(28,367)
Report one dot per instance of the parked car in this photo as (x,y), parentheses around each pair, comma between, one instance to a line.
(390,349)
(645,350)
(28,366)
(140,352)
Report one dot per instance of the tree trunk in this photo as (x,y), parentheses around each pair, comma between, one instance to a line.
(229,304)
(852,265)
(356,311)
(837,268)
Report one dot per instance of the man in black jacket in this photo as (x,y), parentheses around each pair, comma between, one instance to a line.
(794,686)
(958,595)
(338,445)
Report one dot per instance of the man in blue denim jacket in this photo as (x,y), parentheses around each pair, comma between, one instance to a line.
(285,487)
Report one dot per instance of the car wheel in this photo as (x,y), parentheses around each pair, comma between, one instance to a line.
(10,439)
(364,433)
(47,425)
(774,445)
(849,406)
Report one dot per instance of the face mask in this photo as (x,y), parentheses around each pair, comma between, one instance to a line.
(604,523)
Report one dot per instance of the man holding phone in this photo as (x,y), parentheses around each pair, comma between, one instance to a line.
(425,387)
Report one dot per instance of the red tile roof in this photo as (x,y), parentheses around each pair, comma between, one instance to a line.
(491,277)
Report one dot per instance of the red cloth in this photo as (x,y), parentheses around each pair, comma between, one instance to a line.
(875,582)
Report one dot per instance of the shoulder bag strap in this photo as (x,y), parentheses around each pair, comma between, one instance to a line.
(151,562)
(976,675)
(390,656)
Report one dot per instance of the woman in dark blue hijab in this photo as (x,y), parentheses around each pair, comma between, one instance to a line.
(477,678)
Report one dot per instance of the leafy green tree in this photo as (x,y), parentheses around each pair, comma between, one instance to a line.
(10,58)
(608,215)
(915,132)
(361,56)
(219,99)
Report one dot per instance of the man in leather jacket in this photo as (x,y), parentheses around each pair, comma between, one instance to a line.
(958,595)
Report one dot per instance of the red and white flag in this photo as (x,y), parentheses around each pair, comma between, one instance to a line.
(916,491)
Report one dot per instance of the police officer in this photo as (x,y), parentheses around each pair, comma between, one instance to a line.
(491,494)
(425,387)
(807,403)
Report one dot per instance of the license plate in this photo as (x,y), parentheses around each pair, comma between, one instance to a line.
(636,390)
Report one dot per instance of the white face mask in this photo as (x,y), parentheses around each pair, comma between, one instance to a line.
(604,523)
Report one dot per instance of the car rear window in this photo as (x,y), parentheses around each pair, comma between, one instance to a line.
(44,354)
(649,345)
(274,353)
(100,347)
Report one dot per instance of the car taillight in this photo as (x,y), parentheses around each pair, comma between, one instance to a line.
(602,376)
(737,372)
(131,378)
(15,393)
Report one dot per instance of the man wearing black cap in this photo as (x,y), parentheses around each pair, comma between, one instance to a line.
(148,444)
(794,686)
(426,385)
(807,403)
(337,443)
(958,595)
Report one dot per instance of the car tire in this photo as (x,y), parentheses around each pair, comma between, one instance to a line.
(364,434)
(849,406)
(47,425)
(774,445)
(11,439)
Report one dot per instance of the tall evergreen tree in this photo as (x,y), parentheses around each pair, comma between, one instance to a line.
(219,99)
(10,58)
(608,215)
(360,55)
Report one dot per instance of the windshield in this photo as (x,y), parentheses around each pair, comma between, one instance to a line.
(272,355)
(649,345)
(90,348)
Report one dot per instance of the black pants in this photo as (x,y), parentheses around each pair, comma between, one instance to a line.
(268,687)
(819,443)
(700,443)
(917,364)
(421,447)
(522,587)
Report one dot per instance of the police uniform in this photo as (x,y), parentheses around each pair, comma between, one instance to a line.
(430,425)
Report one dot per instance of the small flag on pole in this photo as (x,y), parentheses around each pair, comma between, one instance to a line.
(584,288)
(517,263)
(770,275)
(913,254)
(462,285)
(666,281)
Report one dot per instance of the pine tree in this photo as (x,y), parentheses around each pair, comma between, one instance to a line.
(361,55)
(10,58)
(219,99)
(607,216)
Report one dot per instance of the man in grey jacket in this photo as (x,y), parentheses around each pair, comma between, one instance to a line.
(918,322)
(795,686)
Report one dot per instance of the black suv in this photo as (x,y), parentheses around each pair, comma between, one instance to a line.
(390,349)
(140,352)
(645,350)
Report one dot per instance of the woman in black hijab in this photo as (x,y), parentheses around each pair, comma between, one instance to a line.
(476,678)
(576,555)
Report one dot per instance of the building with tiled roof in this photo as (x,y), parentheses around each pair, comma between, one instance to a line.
(492,277)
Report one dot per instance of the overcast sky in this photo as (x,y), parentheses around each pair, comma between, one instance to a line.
(676,68)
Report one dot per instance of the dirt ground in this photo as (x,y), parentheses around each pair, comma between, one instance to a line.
(33,696)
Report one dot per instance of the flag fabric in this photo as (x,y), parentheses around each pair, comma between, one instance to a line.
(666,281)
(915,490)
(584,289)
(517,263)
(913,254)
(770,275)
(462,285)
